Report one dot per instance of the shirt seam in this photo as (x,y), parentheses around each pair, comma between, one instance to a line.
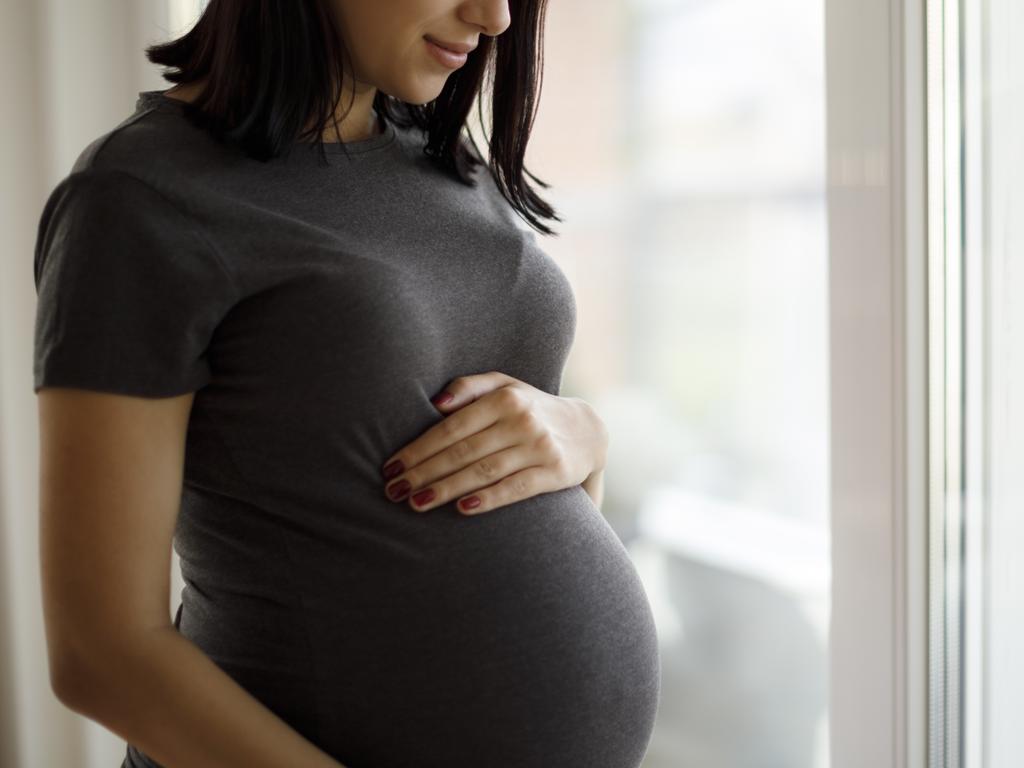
(197,229)
(94,151)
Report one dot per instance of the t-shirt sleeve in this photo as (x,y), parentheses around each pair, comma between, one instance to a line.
(130,290)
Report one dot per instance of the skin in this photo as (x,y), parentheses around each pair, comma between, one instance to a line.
(502,440)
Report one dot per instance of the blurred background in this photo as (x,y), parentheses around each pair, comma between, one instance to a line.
(689,165)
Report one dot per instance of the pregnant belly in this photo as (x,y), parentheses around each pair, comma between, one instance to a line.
(518,638)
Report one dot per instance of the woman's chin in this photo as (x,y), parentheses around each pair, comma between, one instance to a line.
(425,90)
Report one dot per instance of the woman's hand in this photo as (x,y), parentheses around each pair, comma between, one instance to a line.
(503,440)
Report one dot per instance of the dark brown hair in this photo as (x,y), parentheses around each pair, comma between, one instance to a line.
(273,66)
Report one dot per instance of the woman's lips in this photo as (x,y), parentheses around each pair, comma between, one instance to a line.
(444,56)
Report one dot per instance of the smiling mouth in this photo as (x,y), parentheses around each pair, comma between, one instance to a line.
(458,48)
(444,56)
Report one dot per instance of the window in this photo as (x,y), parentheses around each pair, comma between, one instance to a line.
(977,257)
(689,164)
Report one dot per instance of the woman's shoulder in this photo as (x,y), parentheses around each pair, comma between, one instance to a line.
(156,144)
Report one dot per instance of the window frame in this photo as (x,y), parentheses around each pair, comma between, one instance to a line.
(877,181)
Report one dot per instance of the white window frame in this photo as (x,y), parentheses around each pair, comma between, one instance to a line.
(878,303)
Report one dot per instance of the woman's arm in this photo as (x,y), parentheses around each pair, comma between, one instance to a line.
(110,490)
(157,690)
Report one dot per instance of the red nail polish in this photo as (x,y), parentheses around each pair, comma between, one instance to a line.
(470,502)
(423,496)
(393,469)
(442,398)
(398,490)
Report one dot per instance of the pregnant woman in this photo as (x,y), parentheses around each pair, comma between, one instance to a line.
(323,360)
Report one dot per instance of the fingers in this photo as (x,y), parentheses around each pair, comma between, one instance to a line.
(492,408)
(456,457)
(524,484)
(481,479)
(465,389)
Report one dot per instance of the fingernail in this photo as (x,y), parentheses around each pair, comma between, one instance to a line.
(470,502)
(442,398)
(398,490)
(423,496)
(392,469)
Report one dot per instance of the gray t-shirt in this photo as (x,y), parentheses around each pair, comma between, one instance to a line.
(315,310)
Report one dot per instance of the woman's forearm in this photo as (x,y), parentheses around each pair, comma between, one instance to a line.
(166,697)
